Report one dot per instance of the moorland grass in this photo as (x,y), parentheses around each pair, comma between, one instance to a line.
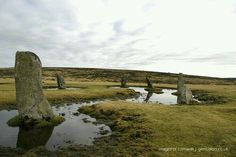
(146,129)
(85,91)
(174,131)
(155,128)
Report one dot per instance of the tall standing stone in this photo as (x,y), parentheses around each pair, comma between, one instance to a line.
(60,82)
(180,83)
(149,83)
(32,104)
(123,83)
(184,93)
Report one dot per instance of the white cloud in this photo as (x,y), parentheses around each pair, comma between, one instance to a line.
(190,36)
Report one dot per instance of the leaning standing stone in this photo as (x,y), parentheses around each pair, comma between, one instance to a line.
(30,99)
(123,82)
(180,83)
(60,82)
(149,83)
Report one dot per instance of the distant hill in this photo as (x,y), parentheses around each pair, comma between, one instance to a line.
(115,75)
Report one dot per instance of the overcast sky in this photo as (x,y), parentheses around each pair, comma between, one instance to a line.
(189,36)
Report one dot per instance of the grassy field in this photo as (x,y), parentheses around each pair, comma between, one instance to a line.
(159,130)
(85,91)
(150,130)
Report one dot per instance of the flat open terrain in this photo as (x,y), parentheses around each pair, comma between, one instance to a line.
(143,129)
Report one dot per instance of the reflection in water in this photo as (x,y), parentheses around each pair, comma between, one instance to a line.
(33,137)
(149,95)
(8,135)
(179,99)
(165,98)
(78,128)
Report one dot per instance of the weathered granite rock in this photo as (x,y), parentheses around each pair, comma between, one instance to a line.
(30,99)
(180,83)
(149,83)
(185,96)
(184,93)
(123,82)
(60,82)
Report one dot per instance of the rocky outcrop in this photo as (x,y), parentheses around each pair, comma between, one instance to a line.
(60,82)
(184,93)
(123,82)
(31,102)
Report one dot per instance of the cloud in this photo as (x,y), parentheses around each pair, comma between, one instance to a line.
(225,58)
(133,34)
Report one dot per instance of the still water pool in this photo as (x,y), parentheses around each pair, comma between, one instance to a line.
(165,98)
(78,128)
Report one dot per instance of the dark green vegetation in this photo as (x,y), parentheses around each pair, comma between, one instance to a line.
(114,75)
(30,123)
(209,98)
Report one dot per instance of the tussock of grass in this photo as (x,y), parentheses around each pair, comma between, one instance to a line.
(158,126)
(19,121)
(15,121)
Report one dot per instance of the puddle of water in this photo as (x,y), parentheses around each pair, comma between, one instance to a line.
(165,98)
(78,128)
(8,135)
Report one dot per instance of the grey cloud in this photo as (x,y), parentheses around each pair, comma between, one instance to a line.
(118,28)
(224,58)
(38,26)
(52,30)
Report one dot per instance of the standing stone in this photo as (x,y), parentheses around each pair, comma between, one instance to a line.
(149,83)
(185,96)
(180,83)
(123,82)
(30,99)
(184,93)
(60,82)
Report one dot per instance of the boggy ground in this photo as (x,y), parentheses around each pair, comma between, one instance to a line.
(148,129)
(86,91)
